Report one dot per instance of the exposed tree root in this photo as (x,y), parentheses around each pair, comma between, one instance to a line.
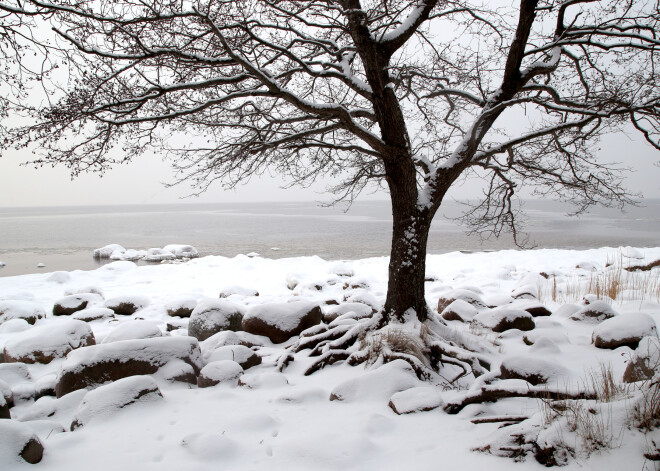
(495,420)
(372,341)
(328,358)
(493,393)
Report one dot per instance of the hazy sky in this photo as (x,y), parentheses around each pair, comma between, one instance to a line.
(141,182)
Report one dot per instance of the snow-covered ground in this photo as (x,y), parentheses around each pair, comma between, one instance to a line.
(285,420)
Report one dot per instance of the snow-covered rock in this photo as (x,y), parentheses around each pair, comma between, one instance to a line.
(92,366)
(182,250)
(75,302)
(238,353)
(134,329)
(466,295)
(20,309)
(459,310)
(377,385)
(128,304)
(60,277)
(501,319)
(221,371)
(44,343)
(237,290)
(18,444)
(596,311)
(94,314)
(423,398)
(107,251)
(85,289)
(229,337)
(214,315)
(356,310)
(158,255)
(645,363)
(181,306)
(281,321)
(533,370)
(365,297)
(107,400)
(525,292)
(624,329)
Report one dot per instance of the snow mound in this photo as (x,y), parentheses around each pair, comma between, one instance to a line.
(624,330)
(19,309)
(135,329)
(221,371)
(377,385)
(237,290)
(266,380)
(44,343)
(211,447)
(13,326)
(107,400)
(60,277)
(423,398)
(85,289)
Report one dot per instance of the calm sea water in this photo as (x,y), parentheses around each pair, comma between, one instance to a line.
(63,238)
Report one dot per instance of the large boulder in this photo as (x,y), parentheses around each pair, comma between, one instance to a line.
(624,330)
(594,312)
(645,363)
(212,316)
(75,302)
(44,343)
(20,309)
(281,321)
(107,400)
(501,319)
(221,371)
(127,305)
(92,366)
(18,443)
(466,295)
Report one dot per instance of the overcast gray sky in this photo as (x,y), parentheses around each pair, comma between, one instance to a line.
(141,182)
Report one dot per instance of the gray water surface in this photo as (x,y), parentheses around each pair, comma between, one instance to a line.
(63,238)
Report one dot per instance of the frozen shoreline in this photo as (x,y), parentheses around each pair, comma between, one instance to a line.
(291,424)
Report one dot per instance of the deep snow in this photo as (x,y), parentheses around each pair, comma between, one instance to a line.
(285,421)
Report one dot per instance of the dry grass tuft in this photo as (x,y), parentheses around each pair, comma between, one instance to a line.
(615,282)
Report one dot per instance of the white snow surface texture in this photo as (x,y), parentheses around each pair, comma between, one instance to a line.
(283,421)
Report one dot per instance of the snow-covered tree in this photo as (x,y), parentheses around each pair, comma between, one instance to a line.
(407,94)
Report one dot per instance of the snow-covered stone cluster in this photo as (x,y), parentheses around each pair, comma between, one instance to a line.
(154,255)
(204,364)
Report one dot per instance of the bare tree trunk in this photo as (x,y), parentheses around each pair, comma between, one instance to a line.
(410,233)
